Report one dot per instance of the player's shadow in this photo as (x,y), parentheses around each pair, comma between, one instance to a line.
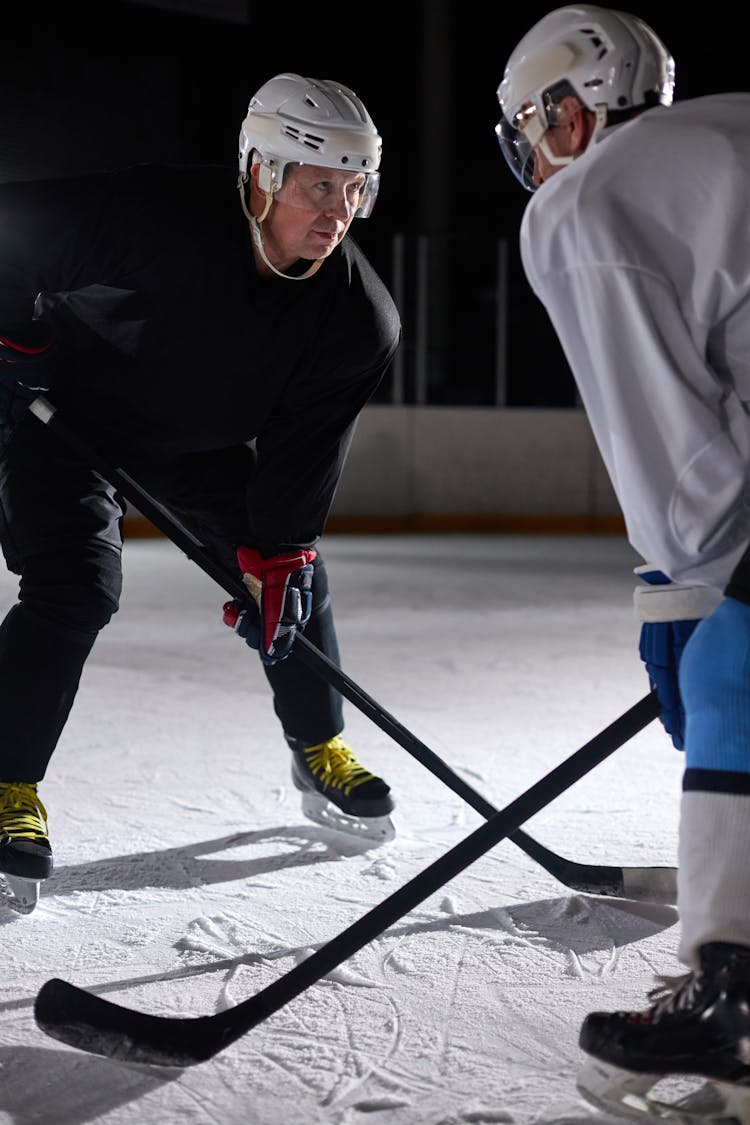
(69,1087)
(198,864)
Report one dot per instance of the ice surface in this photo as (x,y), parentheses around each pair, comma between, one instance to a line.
(186,878)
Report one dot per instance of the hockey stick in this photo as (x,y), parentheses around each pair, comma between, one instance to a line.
(657,884)
(84,1020)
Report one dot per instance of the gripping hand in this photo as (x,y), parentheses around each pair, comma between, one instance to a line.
(244,619)
(25,372)
(669,612)
(282,589)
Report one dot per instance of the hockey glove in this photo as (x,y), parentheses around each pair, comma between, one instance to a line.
(245,620)
(669,612)
(282,589)
(25,372)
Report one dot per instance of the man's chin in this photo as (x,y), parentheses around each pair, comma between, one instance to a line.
(323,249)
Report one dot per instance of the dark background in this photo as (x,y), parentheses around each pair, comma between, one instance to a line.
(86,86)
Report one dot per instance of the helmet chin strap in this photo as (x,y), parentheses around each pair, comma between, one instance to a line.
(258,237)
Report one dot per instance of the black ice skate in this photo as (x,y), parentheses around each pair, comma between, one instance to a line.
(699,1025)
(25,851)
(337,792)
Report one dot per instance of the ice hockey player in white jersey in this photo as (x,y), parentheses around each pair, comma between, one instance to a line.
(636,239)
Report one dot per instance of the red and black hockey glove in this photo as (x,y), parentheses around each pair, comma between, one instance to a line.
(25,372)
(282,589)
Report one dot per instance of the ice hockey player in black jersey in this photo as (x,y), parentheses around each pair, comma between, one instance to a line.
(218,335)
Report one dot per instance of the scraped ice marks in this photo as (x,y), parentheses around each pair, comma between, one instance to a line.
(226,942)
(341,974)
(480,1116)
(337,1039)
(443,986)
(376,1033)
(384,869)
(377,1104)
(393,1029)
(568,928)
(231,939)
(328,1041)
(210,936)
(486,1116)
(585,935)
(235,943)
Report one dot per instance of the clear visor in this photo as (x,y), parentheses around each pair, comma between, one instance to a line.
(347,195)
(517,140)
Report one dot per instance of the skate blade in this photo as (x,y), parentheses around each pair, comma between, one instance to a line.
(323,812)
(21,895)
(624,1092)
(614,1090)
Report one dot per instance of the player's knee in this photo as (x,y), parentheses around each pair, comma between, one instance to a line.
(77,589)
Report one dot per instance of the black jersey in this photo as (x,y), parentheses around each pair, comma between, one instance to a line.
(174,352)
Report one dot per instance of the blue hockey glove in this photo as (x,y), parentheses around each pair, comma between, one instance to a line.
(669,612)
(25,372)
(282,589)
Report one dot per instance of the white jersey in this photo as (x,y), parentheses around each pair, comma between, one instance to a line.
(640,252)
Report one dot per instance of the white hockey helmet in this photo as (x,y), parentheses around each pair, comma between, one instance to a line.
(610,60)
(296,120)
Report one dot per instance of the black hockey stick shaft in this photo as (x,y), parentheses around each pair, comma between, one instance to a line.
(648,883)
(91,1023)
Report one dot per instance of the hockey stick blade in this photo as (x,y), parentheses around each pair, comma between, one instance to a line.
(86,1021)
(639,884)
(83,1020)
(649,884)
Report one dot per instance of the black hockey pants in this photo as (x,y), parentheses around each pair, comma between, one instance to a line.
(61,532)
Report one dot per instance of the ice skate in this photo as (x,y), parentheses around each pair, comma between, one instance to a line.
(339,793)
(698,1026)
(25,851)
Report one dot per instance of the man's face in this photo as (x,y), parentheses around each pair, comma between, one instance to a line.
(562,142)
(311,213)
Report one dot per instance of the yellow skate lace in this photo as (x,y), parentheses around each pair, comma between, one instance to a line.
(22,814)
(334,764)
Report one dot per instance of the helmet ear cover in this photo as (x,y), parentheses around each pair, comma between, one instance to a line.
(266,178)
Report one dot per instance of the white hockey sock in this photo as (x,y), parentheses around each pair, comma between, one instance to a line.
(713,880)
